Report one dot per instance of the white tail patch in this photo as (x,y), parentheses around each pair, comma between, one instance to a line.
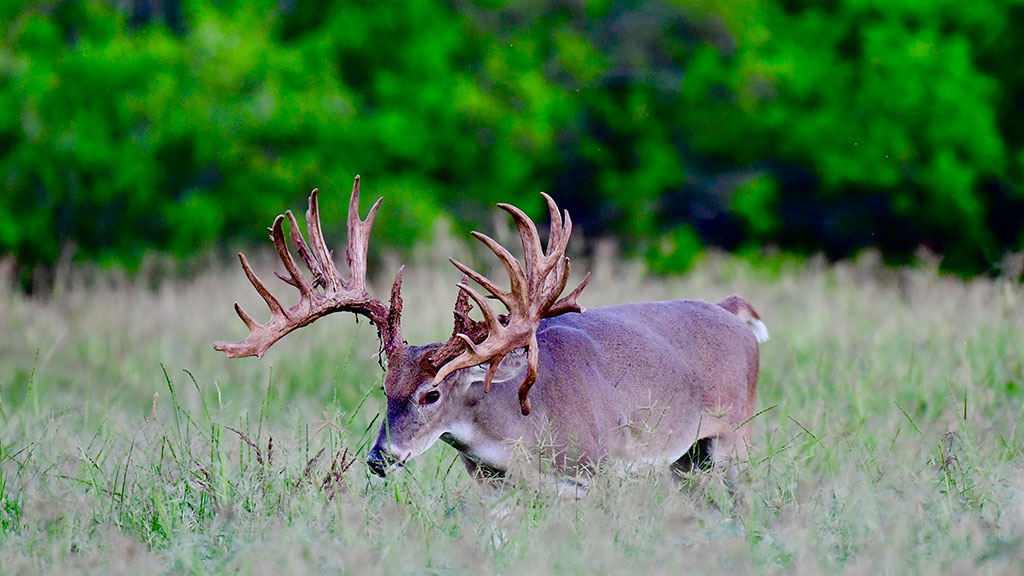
(760,330)
(745,312)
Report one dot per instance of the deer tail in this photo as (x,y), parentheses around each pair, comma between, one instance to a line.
(744,311)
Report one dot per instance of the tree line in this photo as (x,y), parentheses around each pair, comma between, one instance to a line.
(830,126)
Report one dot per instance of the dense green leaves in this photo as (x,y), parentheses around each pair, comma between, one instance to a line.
(816,126)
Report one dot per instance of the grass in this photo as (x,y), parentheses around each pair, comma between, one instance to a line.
(887,440)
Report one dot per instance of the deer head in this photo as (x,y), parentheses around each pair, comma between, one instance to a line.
(427,387)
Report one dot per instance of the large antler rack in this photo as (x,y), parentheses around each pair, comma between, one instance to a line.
(533,295)
(328,292)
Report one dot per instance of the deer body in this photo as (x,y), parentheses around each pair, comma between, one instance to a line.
(627,385)
(633,384)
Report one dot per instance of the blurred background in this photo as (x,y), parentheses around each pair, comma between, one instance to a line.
(133,127)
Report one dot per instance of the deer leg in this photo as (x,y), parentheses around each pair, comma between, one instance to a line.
(725,452)
(491,479)
(698,457)
(722,452)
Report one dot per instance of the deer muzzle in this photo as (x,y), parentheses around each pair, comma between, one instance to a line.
(381,461)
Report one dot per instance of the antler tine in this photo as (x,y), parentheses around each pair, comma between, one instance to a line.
(568,302)
(338,294)
(392,337)
(532,363)
(359,236)
(463,323)
(563,242)
(532,249)
(303,249)
(245,317)
(555,234)
(272,302)
(483,281)
(470,345)
(556,258)
(553,288)
(295,278)
(331,278)
(515,270)
(493,324)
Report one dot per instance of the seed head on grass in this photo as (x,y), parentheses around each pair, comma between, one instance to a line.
(850,469)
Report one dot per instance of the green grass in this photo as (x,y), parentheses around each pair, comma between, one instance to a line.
(887,441)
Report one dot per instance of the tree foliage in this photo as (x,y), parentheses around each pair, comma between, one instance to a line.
(812,125)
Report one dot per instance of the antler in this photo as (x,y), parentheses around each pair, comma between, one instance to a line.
(533,295)
(328,293)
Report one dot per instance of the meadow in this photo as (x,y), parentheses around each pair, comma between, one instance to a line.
(886,440)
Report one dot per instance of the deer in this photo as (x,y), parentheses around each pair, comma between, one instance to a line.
(666,384)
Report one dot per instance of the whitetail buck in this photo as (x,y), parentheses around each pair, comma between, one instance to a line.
(629,384)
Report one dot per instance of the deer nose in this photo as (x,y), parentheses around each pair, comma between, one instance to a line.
(379,461)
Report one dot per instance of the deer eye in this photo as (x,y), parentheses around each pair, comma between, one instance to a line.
(430,397)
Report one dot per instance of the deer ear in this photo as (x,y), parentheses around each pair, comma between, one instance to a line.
(511,368)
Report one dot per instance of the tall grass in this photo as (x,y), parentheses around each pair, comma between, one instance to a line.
(887,440)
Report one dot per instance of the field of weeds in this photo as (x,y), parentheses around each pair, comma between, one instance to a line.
(886,442)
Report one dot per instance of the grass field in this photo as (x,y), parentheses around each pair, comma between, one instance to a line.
(887,441)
